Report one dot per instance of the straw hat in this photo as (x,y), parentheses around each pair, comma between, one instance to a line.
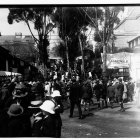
(48,106)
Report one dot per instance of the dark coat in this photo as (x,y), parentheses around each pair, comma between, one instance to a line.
(57,86)
(130,88)
(110,91)
(4,119)
(18,126)
(116,88)
(4,95)
(75,92)
(58,117)
(120,88)
(37,91)
(48,128)
(87,91)
(24,101)
(98,89)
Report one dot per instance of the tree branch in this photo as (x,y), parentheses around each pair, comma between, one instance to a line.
(94,24)
(36,40)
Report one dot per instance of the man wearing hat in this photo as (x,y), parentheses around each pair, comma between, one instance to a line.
(111,93)
(48,127)
(20,96)
(75,98)
(56,98)
(98,89)
(15,123)
(120,89)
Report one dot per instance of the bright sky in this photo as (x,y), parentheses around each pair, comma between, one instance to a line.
(7,29)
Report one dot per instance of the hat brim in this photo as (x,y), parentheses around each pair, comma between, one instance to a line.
(21,95)
(11,114)
(46,110)
(36,103)
(53,95)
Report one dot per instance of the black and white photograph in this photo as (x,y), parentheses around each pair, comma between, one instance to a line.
(70,70)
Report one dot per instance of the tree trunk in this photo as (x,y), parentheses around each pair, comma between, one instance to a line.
(67,55)
(43,56)
(104,48)
(104,61)
(82,67)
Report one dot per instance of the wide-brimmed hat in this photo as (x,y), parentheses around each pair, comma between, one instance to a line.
(20,91)
(55,93)
(48,106)
(15,110)
(35,104)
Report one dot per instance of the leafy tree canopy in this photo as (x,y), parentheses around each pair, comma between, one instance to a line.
(40,18)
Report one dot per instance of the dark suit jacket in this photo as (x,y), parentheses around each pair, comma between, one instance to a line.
(75,92)
(49,127)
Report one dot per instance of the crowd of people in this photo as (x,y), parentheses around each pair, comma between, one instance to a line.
(33,108)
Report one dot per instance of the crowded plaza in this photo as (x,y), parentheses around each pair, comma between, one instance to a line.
(33,108)
(70,71)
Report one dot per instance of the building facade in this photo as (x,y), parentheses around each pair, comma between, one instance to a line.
(127,35)
(12,50)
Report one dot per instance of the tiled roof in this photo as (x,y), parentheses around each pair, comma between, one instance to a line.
(7,38)
(19,47)
(12,38)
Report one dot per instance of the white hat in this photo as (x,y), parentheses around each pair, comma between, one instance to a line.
(55,93)
(48,106)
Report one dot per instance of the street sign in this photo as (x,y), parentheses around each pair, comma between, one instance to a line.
(118,60)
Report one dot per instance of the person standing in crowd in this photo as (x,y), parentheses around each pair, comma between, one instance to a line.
(6,91)
(75,98)
(87,94)
(130,88)
(115,85)
(37,91)
(48,127)
(14,123)
(125,92)
(4,95)
(20,96)
(56,98)
(98,89)
(47,88)
(120,89)
(104,94)
(57,86)
(111,93)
